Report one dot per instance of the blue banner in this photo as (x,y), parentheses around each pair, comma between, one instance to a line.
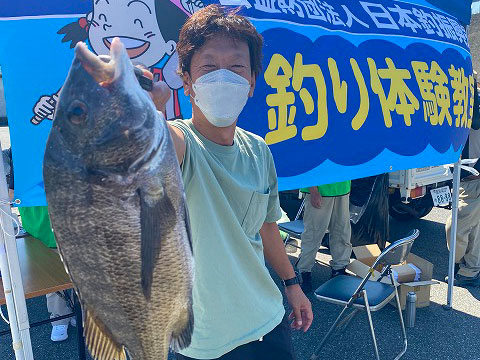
(349,88)
(356,88)
(24,8)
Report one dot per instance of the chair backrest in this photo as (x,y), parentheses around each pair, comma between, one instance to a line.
(300,209)
(397,252)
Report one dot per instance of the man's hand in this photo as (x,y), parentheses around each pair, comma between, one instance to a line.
(275,254)
(170,76)
(160,95)
(160,92)
(316,200)
(301,315)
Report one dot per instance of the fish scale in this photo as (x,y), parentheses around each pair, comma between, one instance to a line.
(117,207)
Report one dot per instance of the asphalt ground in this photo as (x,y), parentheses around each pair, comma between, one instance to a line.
(438,334)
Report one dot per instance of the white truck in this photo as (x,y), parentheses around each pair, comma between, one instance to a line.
(414,192)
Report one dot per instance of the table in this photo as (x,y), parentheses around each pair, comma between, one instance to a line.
(42,270)
(43,273)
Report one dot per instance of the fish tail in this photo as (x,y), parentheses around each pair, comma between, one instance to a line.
(100,341)
(182,333)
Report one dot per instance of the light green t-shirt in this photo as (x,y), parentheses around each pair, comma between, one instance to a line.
(231,191)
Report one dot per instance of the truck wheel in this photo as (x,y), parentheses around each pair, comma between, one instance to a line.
(411,211)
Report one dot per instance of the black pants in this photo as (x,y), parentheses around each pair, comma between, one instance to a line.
(276,345)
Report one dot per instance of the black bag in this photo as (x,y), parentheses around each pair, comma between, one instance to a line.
(369,211)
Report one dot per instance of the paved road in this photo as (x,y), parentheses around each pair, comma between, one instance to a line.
(438,334)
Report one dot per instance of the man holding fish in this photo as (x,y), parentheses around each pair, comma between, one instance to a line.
(232,197)
(112,156)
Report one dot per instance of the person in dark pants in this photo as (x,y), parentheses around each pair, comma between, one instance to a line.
(231,190)
(276,345)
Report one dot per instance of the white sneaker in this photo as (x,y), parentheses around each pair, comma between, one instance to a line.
(59,333)
(73,321)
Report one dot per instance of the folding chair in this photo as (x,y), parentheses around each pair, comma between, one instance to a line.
(362,294)
(293,228)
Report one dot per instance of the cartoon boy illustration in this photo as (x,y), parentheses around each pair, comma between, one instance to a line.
(149,30)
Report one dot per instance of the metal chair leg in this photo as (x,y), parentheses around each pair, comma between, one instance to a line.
(402,324)
(286,240)
(81,340)
(372,331)
(343,325)
(330,331)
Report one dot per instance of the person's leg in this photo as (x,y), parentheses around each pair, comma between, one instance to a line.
(181,357)
(315,222)
(58,306)
(463,225)
(277,344)
(467,244)
(470,266)
(340,233)
(243,352)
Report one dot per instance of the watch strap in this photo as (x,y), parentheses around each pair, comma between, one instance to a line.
(293,281)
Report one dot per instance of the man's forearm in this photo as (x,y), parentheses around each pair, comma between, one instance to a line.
(276,256)
(274,251)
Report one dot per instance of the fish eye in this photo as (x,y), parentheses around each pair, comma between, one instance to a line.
(77,112)
(139,22)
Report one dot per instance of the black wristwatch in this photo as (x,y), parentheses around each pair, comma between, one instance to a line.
(292,281)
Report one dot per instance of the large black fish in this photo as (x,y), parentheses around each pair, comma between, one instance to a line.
(117,206)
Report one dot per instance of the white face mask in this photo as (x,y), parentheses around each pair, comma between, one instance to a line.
(221,95)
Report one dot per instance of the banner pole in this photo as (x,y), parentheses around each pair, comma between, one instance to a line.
(12,277)
(453,234)
(7,289)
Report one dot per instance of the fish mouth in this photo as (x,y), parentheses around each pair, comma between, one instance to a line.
(147,158)
(135,47)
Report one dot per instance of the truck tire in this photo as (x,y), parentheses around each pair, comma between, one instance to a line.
(415,209)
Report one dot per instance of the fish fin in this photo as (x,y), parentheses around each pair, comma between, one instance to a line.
(99,340)
(182,335)
(157,215)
